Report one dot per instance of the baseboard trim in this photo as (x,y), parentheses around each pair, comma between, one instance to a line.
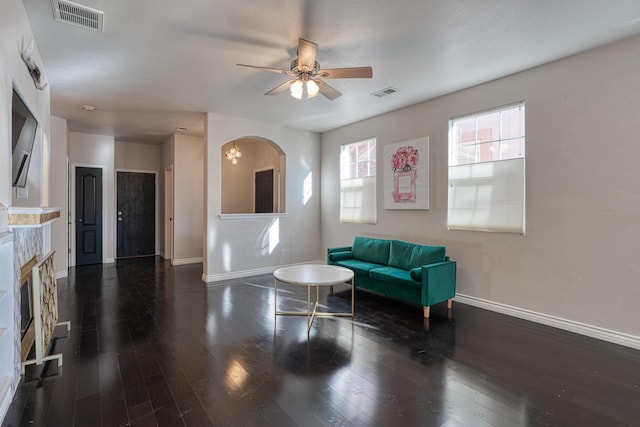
(597,332)
(247,273)
(62,274)
(184,261)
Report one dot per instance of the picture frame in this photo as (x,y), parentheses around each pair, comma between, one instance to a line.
(406,175)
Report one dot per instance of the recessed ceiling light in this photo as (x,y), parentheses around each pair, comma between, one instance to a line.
(89,108)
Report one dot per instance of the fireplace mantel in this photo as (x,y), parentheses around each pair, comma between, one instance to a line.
(32,217)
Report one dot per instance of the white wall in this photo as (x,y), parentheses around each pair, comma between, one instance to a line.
(136,157)
(59,192)
(242,245)
(14,31)
(188,224)
(96,151)
(578,259)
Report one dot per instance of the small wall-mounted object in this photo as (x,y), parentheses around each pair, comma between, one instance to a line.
(22,192)
(38,77)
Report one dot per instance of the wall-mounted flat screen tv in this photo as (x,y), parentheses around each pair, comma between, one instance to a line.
(23,134)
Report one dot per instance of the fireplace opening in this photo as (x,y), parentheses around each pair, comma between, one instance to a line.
(27,326)
(26,306)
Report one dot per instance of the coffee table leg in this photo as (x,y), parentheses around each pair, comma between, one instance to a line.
(308,309)
(275,298)
(353,298)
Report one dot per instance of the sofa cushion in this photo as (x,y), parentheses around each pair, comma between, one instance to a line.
(359,267)
(410,255)
(371,250)
(338,256)
(394,276)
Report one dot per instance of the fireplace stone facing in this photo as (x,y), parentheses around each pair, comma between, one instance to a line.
(24,233)
(27,243)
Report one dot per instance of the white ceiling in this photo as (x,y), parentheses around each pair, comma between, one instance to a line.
(160,63)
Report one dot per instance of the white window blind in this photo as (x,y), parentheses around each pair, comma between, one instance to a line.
(487,196)
(487,171)
(358,182)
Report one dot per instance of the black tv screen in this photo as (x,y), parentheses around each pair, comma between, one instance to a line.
(23,134)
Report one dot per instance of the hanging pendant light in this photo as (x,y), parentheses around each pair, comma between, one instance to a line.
(233,154)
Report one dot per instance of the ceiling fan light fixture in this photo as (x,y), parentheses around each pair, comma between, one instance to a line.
(296,89)
(305,71)
(312,89)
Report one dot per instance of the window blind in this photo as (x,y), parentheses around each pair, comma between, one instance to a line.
(358,200)
(487,196)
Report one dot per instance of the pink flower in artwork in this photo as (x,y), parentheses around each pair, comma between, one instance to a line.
(404,159)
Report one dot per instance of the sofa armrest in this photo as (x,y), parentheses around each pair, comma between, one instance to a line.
(337,254)
(438,282)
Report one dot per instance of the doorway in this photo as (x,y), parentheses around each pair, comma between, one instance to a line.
(88,227)
(136,214)
(168,213)
(263,188)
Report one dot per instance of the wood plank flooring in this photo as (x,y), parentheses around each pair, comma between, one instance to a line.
(152,345)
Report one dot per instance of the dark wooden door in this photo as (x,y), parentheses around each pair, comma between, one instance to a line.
(136,214)
(88,216)
(264,191)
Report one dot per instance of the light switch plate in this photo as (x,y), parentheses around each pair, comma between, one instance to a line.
(22,192)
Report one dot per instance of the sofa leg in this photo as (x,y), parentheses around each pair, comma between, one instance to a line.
(449,303)
(426,311)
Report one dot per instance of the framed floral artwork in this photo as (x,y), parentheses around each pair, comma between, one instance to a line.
(406,175)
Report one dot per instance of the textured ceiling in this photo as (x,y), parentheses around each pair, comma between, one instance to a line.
(160,64)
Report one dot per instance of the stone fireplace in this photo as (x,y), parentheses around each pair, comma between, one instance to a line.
(25,235)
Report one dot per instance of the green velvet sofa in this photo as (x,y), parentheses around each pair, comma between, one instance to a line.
(410,272)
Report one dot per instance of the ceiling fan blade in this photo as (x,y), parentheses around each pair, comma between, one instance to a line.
(273,70)
(346,73)
(306,55)
(327,90)
(281,88)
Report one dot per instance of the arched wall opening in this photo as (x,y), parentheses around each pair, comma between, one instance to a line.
(258,173)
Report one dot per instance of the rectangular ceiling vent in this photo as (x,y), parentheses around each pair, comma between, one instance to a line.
(385,92)
(77,14)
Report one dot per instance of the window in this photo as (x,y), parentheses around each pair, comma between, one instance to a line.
(486,171)
(358,182)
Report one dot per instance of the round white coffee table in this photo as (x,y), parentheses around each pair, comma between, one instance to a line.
(312,275)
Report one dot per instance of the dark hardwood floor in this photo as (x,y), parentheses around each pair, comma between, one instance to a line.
(152,345)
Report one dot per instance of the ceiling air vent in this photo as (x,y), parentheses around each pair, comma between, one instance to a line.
(77,14)
(385,92)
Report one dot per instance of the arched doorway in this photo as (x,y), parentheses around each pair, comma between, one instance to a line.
(254,181)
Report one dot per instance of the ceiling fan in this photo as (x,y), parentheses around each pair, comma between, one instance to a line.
(306,72)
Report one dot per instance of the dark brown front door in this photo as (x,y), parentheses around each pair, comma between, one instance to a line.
(88,216)
(136,214)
